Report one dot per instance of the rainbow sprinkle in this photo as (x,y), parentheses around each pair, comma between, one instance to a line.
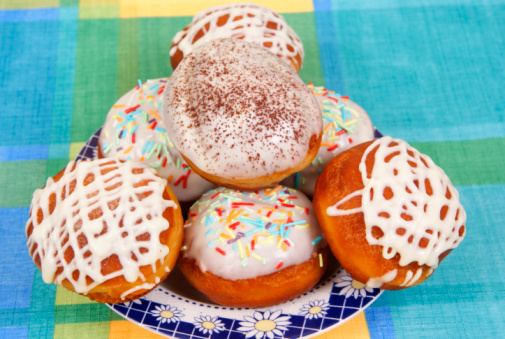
(145,114)
(238,223)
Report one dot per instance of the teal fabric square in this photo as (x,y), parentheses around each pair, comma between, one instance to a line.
(424,72)
(28,62)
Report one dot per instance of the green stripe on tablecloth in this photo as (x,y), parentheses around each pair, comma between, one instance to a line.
(155,38)
(95,86)
(20,178)
(128,55)
(471,162)
(82,313)
(305,26)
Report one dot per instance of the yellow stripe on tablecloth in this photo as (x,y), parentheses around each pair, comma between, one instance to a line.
(28,4)
(120,329)
(99,12)
(98,3)
(65,297)
(356,328)
(75,148)
(162,8)
(95,330)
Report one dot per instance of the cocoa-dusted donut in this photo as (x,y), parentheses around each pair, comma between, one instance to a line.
(134,130)
(251,22)
(240,117)
(389,214)
(106,229)
(253,249)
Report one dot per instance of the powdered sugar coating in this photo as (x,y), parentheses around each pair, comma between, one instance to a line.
(235,110)
(246,21)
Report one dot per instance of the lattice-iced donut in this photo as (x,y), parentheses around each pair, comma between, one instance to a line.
(389,213)
(107,229)
(346,124)
(250,22)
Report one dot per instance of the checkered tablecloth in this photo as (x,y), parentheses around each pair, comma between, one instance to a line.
(430,72)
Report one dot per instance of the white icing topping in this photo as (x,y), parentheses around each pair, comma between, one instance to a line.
(346,124)
(133,130)
(250,22)
(422,219)
(410,278)
(236,111)
(378,282)
(126,226)
(242,235)
(144,286)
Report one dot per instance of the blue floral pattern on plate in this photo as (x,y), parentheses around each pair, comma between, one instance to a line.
(177,312)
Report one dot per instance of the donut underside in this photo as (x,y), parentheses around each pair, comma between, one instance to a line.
(275,288)
(263,181)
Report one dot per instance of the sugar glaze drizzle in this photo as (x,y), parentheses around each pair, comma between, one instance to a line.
(422,219)
(250,22)
(115,190)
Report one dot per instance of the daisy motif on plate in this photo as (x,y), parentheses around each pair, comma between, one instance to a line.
(352,287)
(315,309)
(167,314)
(264,324)
(208,324)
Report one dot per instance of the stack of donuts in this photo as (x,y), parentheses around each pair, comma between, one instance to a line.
(246,176)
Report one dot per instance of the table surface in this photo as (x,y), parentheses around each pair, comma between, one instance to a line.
(431,73)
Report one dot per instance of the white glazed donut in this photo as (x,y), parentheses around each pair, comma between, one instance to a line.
(240,117)
(134,130)
(250,22)
(346,124)
(239,237)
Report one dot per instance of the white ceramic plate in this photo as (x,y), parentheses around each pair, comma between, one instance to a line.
(176,310)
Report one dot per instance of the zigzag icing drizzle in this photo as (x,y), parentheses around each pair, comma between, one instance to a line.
(246,21)
(126,226)
(422,219)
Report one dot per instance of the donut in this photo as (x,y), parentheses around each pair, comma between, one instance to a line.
(389,213)
(250,22)
(133,129)
(345,124)
(253,249)
(107,229)
(240,117)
